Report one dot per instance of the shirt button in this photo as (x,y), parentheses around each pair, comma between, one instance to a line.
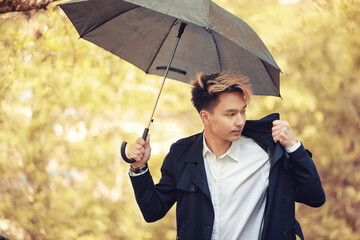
(188,221)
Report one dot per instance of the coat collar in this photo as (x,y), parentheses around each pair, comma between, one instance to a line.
(261,131)
(263,125)
(194,154)
(253,128)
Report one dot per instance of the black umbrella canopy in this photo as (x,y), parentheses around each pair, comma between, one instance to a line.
(143,32)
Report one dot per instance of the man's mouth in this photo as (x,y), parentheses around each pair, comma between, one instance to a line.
(237,131)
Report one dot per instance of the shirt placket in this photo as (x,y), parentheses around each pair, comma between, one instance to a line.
(216,197)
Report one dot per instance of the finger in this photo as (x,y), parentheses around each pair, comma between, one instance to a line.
(137,151)
(276,122)
(278,138)
(280,124)
(137,156)
(276,128)
(279,134)
(138,147)
(134,153)
(140,141)
(285,128)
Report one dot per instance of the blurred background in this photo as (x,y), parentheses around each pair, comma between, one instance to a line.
(66,105)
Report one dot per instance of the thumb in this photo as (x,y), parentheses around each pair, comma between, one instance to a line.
(147,142)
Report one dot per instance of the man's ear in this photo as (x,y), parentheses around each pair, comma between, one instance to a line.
(204,115)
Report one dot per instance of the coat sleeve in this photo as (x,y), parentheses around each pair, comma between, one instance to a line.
(155,200)
(308,188)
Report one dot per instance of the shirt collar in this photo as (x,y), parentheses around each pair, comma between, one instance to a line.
(233,152)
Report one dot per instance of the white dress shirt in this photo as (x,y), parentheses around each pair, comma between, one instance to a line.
(238,181)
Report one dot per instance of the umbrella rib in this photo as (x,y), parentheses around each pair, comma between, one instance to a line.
(217,49)
(158,49)
(92,29)
(268,72)
(270,75)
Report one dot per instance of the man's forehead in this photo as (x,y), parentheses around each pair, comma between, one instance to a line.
(228,100)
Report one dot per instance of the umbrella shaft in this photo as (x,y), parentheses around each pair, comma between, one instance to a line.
(163,83)
(181,30)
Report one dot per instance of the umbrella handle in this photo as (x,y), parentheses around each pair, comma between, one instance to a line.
(123,147)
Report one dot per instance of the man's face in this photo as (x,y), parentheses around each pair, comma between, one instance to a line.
(227,119)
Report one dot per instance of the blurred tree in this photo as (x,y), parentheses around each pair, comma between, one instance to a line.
(65,107)
(61,101)
(321,64)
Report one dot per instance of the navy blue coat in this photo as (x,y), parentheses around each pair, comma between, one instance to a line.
(293,177)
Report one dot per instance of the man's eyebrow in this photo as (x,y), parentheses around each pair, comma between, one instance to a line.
(234,110)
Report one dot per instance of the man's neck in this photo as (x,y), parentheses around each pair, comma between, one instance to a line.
(216,145)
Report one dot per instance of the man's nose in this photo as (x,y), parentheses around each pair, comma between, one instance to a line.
(240,120)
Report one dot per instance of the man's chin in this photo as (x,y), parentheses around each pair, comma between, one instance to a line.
(236,137)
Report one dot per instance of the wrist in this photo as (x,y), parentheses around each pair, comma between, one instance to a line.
(294,146)
(289,143)
(140,169)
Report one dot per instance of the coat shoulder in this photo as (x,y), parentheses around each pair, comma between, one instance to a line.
(187,140)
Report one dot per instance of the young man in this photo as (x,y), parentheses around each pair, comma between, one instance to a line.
(237,179)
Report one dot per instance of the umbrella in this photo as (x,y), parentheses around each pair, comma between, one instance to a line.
(147,34)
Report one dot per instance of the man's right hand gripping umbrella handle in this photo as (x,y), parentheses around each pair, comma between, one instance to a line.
(123,147)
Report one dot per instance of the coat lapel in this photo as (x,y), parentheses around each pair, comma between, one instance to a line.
(278,153)
(194,175)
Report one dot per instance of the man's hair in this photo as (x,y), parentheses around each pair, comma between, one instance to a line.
(207,88)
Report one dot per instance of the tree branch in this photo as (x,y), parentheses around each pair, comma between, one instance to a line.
(23,5)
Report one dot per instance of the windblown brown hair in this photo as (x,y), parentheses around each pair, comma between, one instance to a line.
(207,88)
